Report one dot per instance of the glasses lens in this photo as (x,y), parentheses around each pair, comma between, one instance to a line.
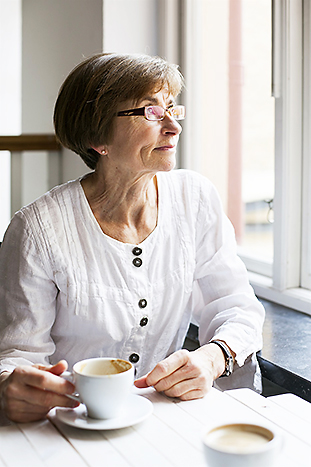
(154,112)
(178,112)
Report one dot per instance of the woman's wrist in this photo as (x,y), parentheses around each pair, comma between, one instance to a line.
(215,357)
(228,355)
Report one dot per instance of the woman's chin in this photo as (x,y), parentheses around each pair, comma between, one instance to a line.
(167,164)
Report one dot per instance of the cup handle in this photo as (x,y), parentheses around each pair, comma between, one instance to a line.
(68,375)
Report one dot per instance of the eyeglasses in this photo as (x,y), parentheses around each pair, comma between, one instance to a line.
(156,112)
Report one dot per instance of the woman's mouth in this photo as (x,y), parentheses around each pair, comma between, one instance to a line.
(167,147)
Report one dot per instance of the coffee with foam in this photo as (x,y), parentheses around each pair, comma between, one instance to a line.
(241,445)
(238,438)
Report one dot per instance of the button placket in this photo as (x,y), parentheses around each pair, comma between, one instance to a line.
(137,342)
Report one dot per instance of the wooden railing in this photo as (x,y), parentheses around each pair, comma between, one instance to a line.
(39,142)
(45,172)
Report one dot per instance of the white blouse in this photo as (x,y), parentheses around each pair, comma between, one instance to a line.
(69,291)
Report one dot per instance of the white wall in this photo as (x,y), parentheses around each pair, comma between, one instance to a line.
(10,59)
(131,26)
(56,35)
(10,95)
(47,39)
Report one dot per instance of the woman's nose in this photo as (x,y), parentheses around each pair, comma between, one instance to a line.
(170,125)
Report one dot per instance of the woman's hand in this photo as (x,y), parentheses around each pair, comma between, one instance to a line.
(29,392)
(184,374)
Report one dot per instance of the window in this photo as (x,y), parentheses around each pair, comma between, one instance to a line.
(253,144)
(306,161)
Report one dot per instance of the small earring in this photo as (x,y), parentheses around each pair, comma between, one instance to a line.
(104,152)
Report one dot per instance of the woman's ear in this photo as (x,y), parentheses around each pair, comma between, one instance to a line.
(100,150)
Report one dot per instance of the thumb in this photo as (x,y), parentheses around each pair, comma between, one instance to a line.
(141,382)
(58,368)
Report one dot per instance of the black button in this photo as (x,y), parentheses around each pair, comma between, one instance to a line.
(142,303)
(137,251)
(137,262)
(134,358)
(144,321)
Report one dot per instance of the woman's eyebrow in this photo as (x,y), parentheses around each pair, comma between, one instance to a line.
(155,101)
(150,99)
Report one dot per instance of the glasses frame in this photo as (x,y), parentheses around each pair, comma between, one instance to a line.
(143,111)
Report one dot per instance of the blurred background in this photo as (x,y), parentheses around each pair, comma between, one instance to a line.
(223,48)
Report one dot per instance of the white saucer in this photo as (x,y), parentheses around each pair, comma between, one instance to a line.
(136,410)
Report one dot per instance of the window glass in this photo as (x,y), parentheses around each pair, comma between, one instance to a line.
(257,131)
(234,120)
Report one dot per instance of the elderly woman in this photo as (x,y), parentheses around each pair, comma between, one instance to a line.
(118,262)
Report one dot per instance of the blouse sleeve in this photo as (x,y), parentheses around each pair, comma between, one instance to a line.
(27,298)
(226,306)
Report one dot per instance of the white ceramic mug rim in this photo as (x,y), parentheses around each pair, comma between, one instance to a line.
(115,375)
(262,448)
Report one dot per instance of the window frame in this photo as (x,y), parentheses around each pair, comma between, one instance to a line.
(288,146)
(290,84)
(306,162)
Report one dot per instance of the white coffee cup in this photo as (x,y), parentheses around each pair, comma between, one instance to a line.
(241,445)
(103,385)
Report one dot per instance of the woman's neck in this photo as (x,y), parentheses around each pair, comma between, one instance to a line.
(125,209)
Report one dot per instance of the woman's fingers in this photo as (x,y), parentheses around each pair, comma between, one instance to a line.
(29,395)
(187,389)
(184,374)
(141,383)
(45,380)
(35,404)
(160,375)
(30,392)
(58,368)
(38,387)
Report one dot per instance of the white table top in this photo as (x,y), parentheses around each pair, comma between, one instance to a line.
(171,436)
